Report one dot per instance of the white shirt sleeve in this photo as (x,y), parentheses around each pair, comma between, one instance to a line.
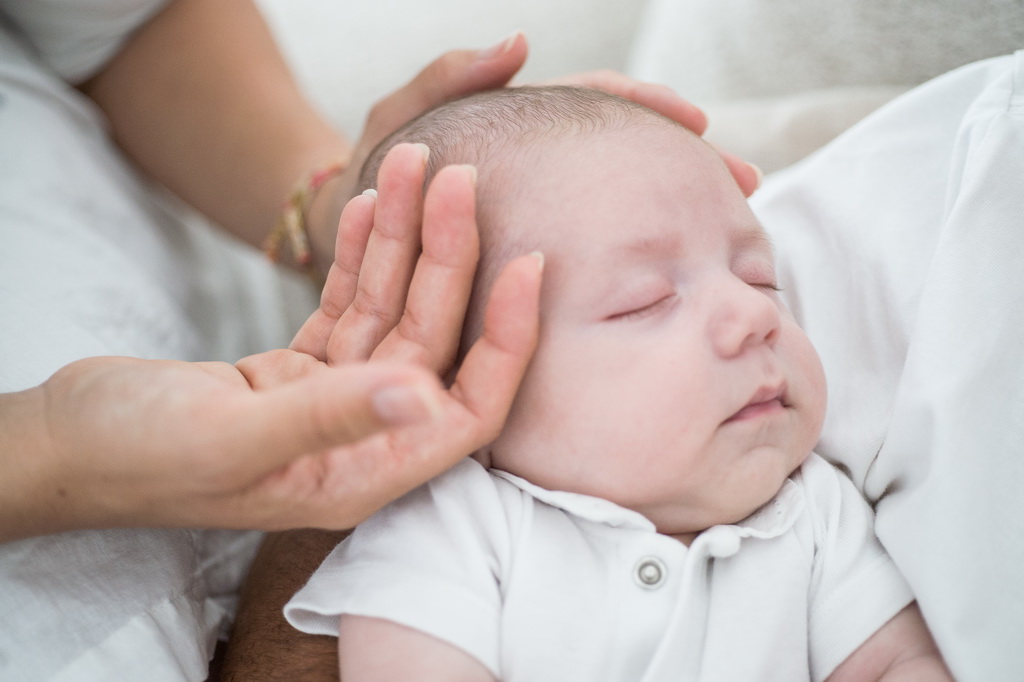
(855,587)
(430,561)
(76,38)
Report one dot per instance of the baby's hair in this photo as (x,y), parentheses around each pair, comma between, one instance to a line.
(472,128)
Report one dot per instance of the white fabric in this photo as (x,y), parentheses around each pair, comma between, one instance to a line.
(899,250)
(542,585)
(76,37)
(779,79)
(713,50)
(93,262)
(335,47)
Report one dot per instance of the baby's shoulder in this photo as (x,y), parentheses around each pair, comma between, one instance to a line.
(834,510)
(823,482)
(469,494)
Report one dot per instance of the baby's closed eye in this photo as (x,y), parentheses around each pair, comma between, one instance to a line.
(646,309)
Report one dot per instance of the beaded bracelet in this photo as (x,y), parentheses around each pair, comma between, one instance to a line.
(291,226)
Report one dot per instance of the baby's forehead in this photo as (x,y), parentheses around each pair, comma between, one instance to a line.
(554,154)
(548,164)
(585,194)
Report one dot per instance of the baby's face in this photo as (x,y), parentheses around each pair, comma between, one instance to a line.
(669,377)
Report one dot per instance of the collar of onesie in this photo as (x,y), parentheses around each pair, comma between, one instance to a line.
(770,520)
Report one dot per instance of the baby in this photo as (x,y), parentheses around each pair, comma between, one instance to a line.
(652,509)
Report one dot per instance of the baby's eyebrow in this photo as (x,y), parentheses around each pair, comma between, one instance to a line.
(659,244)
(755,237)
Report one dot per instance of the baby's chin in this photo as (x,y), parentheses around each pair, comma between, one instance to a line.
(686,520)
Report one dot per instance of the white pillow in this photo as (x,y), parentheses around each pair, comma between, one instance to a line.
(347,55)
(714,50)
(899,247)
(779,79)
(76,37)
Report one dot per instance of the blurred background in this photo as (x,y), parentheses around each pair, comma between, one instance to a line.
(777,79)
(386,42)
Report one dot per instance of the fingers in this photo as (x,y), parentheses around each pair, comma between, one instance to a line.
(333,407)
(429,331)
(489,377)
(295,429)
(342,278)
(268,369)
(371,305)
(389,258)
(471,414)
(660,98)
(666,102)
(747,175)
(454,74)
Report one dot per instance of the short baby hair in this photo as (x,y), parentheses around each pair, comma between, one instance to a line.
(472,129)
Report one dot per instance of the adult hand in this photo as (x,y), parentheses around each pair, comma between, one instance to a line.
(398,289)
(282,439)
(397,292)
(112,441)
(666,102)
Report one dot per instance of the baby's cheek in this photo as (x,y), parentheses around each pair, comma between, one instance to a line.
(816,398)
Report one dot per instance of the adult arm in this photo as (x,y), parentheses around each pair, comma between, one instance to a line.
(263,645)
(113,442)
(202,100)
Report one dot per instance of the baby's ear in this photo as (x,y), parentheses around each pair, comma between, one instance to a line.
(483,455)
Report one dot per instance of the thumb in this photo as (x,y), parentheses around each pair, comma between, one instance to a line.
(451,75)
(330,408)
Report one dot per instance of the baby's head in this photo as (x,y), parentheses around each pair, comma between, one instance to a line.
(669,377)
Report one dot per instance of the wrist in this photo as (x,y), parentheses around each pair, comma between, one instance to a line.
(29,487)
(322,220)
(303,234)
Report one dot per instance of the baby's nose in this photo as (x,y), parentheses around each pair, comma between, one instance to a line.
(743,316)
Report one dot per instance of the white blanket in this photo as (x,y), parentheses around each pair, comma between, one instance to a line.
(899,248)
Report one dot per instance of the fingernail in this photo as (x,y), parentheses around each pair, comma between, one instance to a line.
(371,192)
(425,149)
(699,113)
(540,259)
(472,172)
(501,48)
(759,173)
(397,405)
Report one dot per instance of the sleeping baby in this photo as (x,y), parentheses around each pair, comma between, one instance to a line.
(652,509)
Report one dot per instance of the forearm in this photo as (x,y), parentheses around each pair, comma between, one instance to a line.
(202,100)
(263,645)
(38,494)
(28,507)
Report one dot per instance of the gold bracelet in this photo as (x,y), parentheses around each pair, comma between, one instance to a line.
(291,226)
